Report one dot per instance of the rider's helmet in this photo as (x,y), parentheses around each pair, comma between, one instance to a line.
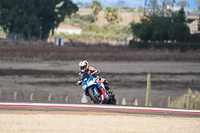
(83,65)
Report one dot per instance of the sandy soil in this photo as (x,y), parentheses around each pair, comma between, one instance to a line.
(45,122)
(127,17)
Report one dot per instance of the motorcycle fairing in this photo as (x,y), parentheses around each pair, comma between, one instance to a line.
(90,84)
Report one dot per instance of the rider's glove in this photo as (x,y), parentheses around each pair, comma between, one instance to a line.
(78,83)
(79,74)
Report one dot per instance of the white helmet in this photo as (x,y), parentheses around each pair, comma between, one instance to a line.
(83,65)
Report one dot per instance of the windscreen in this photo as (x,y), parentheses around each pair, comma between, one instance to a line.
(84,76)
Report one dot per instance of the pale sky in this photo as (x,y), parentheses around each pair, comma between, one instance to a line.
(134,3)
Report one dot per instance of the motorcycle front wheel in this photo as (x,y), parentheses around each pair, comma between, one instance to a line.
(93,97)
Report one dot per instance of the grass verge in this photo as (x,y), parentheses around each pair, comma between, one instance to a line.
(191,100)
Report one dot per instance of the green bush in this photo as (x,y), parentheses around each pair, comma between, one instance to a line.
(1,30)
(116,28)
(91,28)
(194,38)
(93,31)
(160,28)
(91,35)
(179,32)
(89,18)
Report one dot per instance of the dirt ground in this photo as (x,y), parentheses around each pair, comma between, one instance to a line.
(126,17)
(84,122)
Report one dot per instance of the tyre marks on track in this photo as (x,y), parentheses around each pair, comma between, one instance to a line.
(93,107)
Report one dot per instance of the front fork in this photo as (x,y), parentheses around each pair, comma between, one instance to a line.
(97,93)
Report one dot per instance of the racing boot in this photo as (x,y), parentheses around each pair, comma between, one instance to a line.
(107,87)
(105,82)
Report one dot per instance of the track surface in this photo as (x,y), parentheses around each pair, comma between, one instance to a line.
(102,108)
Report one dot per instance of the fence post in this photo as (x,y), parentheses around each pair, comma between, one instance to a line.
(66,99)
(31,97)
(135,102)
(189,98)
(15,96)
(49,98)
(148,90)
(169,104)
(123,101)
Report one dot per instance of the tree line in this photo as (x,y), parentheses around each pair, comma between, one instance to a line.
(171,26)
(34,18)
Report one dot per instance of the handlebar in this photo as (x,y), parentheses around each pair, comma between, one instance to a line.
(78,83)
(95,72)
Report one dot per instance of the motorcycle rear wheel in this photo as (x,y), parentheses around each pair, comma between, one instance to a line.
(93,97)
(112,100)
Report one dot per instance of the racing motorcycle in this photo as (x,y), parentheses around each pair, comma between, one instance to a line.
(89,86)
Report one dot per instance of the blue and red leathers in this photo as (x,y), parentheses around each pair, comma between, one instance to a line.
(102,89)
(100,85)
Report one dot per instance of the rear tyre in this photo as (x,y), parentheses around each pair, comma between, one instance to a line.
(111,99)
(93,97)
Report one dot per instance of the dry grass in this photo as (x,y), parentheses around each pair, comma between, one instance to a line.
(92,53)
(188,101)
(127,17)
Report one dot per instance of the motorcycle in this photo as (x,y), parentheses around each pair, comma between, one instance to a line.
(89,86)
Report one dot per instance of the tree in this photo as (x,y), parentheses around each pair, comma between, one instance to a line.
(112,15)
(153,4)
(183,4)
(160,28)
(96,8)
(140,9)
(178,26)
(167,3)
(34,18)
(142,30)
(179,32)
(198,4)
(179,17)
(152,7)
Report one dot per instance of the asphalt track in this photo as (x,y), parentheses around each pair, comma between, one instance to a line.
(15,105)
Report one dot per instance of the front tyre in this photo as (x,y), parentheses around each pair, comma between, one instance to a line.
(93,96)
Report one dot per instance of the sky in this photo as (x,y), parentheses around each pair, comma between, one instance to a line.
(135,3)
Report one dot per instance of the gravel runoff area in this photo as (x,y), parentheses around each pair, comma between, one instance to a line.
(90,122)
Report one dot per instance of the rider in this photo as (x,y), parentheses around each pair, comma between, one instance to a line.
(84,67)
